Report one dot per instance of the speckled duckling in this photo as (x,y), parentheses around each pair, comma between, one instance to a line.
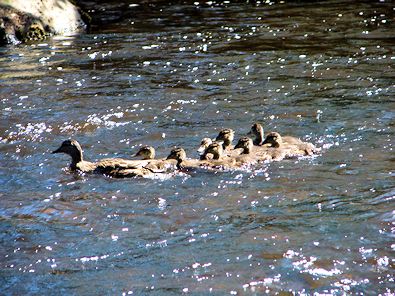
(155,165)
(247,154)
(203,146)
(146,152)
(275,148)
(179,155)
(300,148)
(215,149)
(219,158)
(226,136)
(245,144)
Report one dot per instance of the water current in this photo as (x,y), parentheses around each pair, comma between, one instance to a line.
(168,75)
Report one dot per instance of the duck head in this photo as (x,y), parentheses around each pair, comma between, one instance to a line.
(257,133)
(226,135)
(215,149)
(72,148)
(274,139)
(246,144)
(204,144)
(178,154)
(146,152)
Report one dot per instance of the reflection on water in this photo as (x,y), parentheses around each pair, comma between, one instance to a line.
(170,75)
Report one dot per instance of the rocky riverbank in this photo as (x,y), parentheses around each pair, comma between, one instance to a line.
(22,20)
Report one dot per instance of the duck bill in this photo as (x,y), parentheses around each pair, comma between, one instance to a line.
(201,149)
(252,135)
(238,146)
(221,142)
(267,143)
(59,150)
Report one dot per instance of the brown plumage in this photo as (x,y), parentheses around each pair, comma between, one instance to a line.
(296,145)
(113,167)
(226,136)
(248,154)
(146,152)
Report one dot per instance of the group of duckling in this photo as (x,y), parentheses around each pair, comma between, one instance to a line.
(214,154)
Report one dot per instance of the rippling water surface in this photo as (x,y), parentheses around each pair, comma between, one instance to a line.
(169,75)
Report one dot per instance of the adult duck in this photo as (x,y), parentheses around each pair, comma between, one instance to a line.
(113,167)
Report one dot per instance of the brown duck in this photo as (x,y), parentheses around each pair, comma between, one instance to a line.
(220,159)
(300,148)
(248,154)
(279,150)
(146,152)
(113,167)
(226,136)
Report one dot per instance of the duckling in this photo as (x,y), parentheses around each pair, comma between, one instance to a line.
(155,165)
(179,155)
(151,168)
(258,134)
(292,150)
(282,150)
(246,144)
(203,146)
(219,158)
(274,146)
(226,135)
(216,149)
(146,152)
(112,167)
(247,155)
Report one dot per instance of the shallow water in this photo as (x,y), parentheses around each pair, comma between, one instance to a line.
(172,75)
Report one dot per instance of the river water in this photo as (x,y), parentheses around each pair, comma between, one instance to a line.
(169,75)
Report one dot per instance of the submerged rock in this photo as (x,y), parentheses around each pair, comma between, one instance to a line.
(22,20)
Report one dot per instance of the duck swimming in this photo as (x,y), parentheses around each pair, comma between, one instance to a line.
(247,155)
(112,167)
(304,148)
(226,136)
(73,148)
(179,155)
(257,133)
(155,165)
(219,158)
(203,146)
(279,150)
(146,152)
(216,149)
(274,147)
(246,144)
